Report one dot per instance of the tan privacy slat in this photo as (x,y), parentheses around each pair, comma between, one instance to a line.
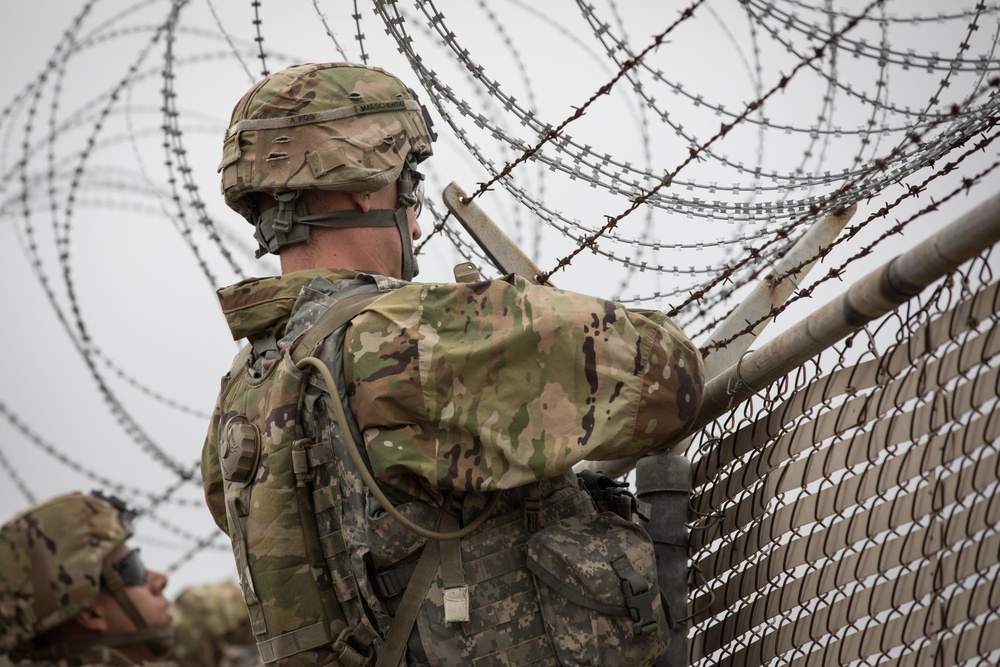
(828,538)
(976,641)
(794,475)
(860,610)
(855,518)
(950,325)
(755,434)
(852,413)
(735,623)
(963,643)
(858,377)
(874,480)
(959,562)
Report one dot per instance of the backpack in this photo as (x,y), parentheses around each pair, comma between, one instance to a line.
(333,571)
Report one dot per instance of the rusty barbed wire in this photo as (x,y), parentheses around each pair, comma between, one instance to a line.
(914,191)
(758,210)
(582,109)
(259,38)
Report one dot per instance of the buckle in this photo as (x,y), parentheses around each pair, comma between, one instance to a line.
(286,211)
(387,584)
(640,608)
(532,508)
(638,597)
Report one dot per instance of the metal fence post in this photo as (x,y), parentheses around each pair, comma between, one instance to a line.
(664,481)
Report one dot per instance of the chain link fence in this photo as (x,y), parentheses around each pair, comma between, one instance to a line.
(847,514)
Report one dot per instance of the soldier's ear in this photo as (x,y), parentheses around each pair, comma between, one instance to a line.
(363,200)
(93,619)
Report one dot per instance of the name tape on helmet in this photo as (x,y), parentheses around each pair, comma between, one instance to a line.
(322,116)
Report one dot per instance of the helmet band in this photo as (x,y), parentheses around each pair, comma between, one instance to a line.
(323,116)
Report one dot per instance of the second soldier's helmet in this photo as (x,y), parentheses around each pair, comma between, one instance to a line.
(211,623)
(326,126)
(51,561)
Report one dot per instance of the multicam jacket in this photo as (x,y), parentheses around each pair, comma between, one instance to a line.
(484,386)
(454,390)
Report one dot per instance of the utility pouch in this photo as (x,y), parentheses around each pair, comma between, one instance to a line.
(596,581)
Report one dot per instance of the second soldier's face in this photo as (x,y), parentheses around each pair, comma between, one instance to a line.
(147,598)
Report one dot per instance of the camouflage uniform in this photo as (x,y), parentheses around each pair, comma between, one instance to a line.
(52,567)
(464,388)
(99,656)
(486,386)
(464,397)
(212,627)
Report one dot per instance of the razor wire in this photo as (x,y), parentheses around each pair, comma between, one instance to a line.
(521,152)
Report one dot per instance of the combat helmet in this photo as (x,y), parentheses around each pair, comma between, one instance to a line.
(326,126)
(53,566)
(212,623)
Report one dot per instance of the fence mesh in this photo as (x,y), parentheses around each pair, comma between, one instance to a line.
(848,514)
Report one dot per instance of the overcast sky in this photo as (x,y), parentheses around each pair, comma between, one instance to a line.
(146,299)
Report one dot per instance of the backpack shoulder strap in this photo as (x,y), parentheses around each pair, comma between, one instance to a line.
(337,316)
(241,359)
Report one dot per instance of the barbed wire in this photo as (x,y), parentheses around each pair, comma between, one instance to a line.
(75,466)
(747,204)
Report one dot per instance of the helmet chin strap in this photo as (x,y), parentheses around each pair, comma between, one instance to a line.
(288,223)
(408,265)
(407,198)
(347,219)
(151,637)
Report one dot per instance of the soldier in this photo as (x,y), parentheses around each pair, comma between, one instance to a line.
(72,592)
(212,627)
(436,519)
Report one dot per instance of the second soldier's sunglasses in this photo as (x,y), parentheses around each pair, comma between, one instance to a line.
(131,569)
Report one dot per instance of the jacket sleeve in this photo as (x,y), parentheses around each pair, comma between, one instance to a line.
(496,384)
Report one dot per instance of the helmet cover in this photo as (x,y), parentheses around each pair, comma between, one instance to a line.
(326,126)
(210,618)
(51,557)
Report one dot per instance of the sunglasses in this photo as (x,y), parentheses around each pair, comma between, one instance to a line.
(131,569)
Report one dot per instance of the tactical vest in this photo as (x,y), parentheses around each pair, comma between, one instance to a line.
(331,577)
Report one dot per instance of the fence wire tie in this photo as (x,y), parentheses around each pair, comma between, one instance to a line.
(705,520)
(695,571)
(736,382)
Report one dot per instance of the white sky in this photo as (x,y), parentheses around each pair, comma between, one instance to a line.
(145,301)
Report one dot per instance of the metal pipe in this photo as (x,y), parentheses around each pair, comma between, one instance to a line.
(874,295)
(771,292)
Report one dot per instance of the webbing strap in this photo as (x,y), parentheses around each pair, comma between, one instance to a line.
(456,591)
(409,605)
(337,316)
(258,623)
(290,643)
(349,219)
